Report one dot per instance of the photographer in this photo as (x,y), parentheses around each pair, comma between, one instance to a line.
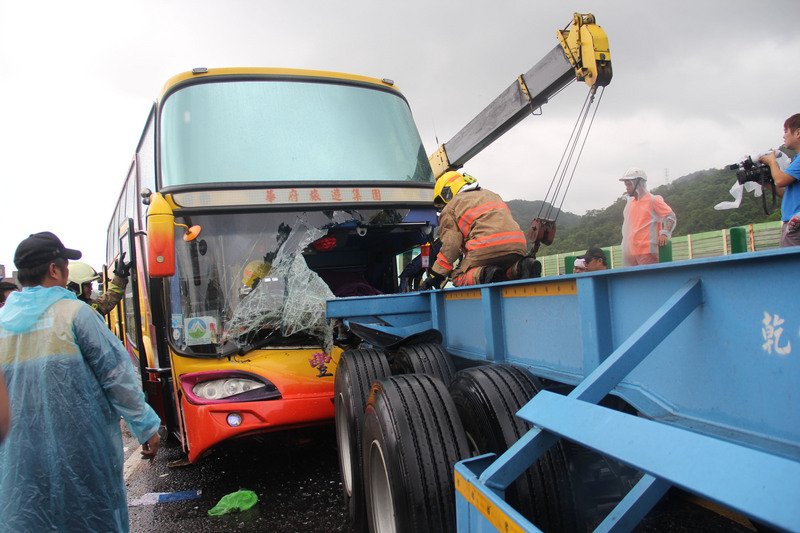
(786,183)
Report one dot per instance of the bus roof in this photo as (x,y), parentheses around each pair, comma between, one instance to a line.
(270,71)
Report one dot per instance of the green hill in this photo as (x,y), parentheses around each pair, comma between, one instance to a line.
(524,211)
(692,197)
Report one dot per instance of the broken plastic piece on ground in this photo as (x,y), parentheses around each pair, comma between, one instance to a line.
(241,500)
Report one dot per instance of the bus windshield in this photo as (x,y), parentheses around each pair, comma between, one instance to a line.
(290,131)
(263,278)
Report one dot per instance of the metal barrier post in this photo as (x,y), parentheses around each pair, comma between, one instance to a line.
(665,253)
(569,264)
(738,240)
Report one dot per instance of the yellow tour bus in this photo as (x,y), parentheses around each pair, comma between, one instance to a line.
(256,194)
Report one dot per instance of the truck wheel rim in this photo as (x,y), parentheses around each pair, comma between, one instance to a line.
(382,507)
(343,440)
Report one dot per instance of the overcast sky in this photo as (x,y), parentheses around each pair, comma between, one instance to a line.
(696,85)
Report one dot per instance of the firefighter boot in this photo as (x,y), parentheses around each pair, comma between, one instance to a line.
(490,274)
(525,268)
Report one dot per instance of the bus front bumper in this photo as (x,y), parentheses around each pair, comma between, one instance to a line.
(209,425)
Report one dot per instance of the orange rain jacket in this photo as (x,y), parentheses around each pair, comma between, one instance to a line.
(478,226)
(645,219)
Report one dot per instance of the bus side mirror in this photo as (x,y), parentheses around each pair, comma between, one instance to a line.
(160,238)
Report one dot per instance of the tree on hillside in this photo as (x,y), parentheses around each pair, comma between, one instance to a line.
(692,197)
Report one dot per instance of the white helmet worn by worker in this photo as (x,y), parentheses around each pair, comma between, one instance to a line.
(639,176)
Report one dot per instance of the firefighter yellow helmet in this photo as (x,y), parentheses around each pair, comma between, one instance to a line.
(448,185)
(254,271)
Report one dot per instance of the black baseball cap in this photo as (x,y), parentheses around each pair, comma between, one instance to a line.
(593,253)
(8,286)
(41,248)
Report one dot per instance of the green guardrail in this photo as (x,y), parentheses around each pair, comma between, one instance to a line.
(753,237)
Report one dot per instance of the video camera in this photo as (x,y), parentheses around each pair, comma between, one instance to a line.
(749,170)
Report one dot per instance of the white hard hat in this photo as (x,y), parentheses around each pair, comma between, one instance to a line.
(634,173)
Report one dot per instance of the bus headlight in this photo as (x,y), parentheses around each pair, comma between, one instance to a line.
(219,389)
(226,387)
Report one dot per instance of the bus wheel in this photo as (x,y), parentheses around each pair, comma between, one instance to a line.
(412,439)
(356,370)
(486,398)
(426,358)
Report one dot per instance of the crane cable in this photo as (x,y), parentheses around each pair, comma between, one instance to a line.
(569,151)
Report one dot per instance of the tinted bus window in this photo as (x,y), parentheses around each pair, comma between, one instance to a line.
(146,160)
(131,195)
(288,131)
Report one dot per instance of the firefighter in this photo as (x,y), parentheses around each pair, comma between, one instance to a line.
(476,226)
(81,277)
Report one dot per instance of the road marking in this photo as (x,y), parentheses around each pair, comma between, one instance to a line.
(131,464)
(152,498)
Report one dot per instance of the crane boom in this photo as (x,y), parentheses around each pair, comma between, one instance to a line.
(582,54)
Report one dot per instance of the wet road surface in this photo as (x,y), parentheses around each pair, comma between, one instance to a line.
(296,478)
(294,474)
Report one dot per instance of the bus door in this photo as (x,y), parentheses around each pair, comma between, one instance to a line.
(134,338)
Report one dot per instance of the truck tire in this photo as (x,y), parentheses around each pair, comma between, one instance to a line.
(356,370)
(487,398)
(600,482)
(425,358)
(412,439)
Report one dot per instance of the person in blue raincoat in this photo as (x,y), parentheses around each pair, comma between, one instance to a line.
(69,380)
(5,410)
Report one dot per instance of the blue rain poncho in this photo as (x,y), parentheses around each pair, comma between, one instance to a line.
(69,380)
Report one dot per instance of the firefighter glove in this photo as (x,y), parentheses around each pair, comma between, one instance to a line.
(121,268)
(433,281)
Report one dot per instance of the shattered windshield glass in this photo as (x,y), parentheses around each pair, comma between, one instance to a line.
(245,282)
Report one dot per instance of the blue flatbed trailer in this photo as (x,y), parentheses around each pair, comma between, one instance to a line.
(707,352)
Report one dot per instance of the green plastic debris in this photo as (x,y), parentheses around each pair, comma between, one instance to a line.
(241,500)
